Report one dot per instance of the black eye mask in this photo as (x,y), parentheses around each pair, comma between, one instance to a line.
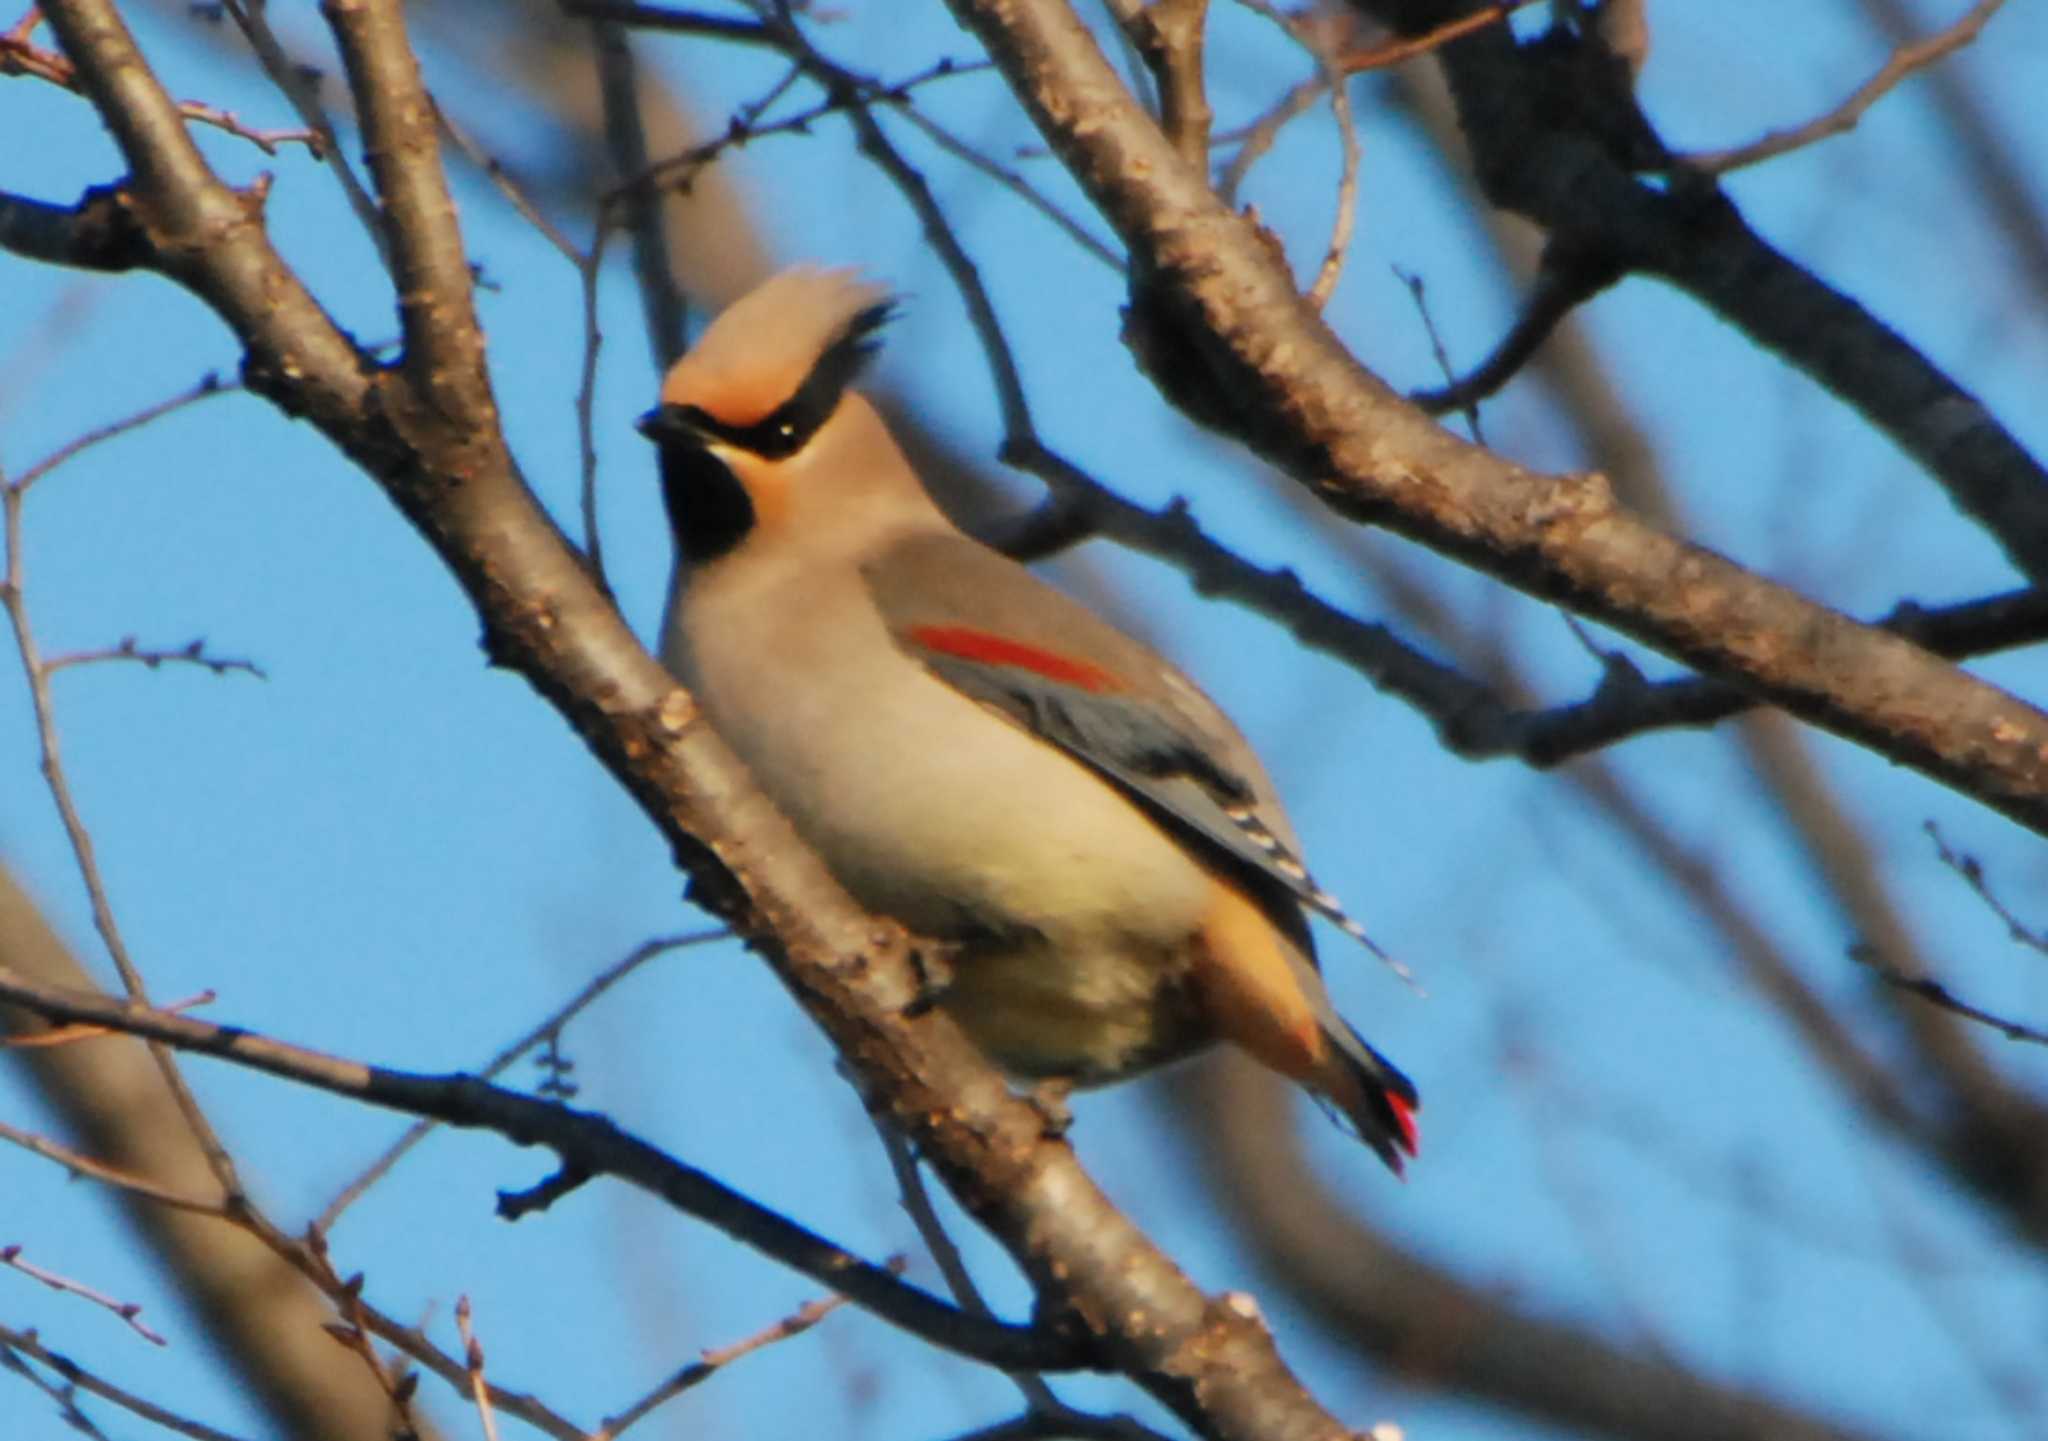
(786,429)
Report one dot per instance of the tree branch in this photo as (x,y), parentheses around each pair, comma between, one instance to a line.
(1246,354)
(1556,135)
(444,465)
(589,1145)
(402,139)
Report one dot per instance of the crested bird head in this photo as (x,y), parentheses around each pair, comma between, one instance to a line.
(759,428)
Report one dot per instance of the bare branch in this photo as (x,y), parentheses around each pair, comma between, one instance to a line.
(1395,52)
(193,653)
(401,135)
(36,671)
(129,1311)
(1557,135)
(1167,35)
(588,1145)
(18,56)
(660,299)
(1256,139)
(473,1358)
(1257,363)
(205,388)
(27,1344)
(1011,180)
(1901,63)
(83,1165)
(677,22)
(236,1271)
(1307,34)
(917,1204)
(298,88)
(1474,724)
(1564,282)
(717,1359)
(1936,993)
(1972,872)
(550,1027)
(94,234)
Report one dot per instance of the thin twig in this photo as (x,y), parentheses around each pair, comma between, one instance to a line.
(1305,33)
(1380,57)
(65,1397)
(26,1343)
(1418,291)
(713,1361)
(1014,182)
(552,1025)
(297,87)
(1936,993)
(661,300)
(1902,62)
(917,1204)
(193,652)
(1257,138)
(588,266)
(68,1035)
(205,388)
(473,1359)
(352,1334)
(589,270)
(1972,872)
(19,57)
(676,22)
(1566,279)
(128,1311)
(845,91)
(13,598)
(588,1145)
(494,170)
(363,1320)
(81,1164)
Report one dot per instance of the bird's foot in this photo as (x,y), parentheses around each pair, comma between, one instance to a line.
(932,964)
(1049,1099)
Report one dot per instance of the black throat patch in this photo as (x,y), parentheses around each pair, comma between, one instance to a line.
(708,509)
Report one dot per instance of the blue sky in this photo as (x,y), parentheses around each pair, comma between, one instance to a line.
(389,851)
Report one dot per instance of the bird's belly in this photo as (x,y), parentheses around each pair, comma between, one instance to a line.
(1074,911)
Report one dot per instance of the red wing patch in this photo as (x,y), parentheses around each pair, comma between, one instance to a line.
(979,646)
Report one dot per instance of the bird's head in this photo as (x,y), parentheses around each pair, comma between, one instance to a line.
(759,429)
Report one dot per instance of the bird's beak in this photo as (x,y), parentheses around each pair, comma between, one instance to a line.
(667,423)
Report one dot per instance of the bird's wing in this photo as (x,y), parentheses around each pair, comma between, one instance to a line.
(994,632)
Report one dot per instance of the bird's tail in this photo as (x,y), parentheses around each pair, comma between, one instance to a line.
(1371,1093)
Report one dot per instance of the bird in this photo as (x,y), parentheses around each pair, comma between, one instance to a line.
(971,751)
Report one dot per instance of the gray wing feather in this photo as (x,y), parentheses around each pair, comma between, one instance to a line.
(1160,739)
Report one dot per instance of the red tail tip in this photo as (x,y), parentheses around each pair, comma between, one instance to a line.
(1404,1117)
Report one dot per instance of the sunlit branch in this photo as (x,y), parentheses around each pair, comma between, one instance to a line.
(589,1146)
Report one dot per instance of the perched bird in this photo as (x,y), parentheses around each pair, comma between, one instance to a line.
(972,752)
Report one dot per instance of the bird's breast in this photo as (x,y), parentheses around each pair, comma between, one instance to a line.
(1078,909)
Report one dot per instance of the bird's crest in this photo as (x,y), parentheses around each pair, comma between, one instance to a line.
(763,347)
